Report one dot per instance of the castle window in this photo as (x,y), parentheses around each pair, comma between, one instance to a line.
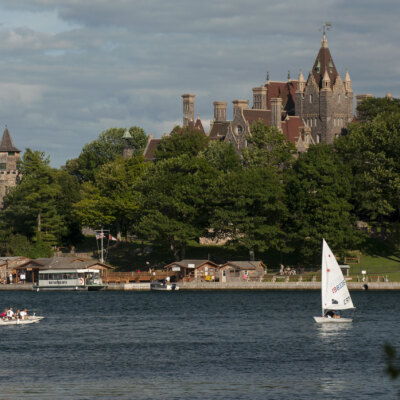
(334,121)
(338,99)
(239,129)
(315,121)
(11,153)
(318,67)
(330,66)
(318,138)
(311,98)
(3,166)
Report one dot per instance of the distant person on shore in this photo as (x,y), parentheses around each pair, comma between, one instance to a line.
(10,313)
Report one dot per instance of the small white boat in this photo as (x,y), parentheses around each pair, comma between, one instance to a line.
(163,284)
(335,294)
(29,320)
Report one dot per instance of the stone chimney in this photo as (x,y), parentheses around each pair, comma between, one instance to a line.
(219,111)
(276,113)
(239,105)
(188,108)
(260,98)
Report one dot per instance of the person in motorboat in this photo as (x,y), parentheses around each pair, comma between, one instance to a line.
(23,314)
(3,315)
(10,313)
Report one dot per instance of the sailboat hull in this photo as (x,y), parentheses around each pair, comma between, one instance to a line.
(325,320)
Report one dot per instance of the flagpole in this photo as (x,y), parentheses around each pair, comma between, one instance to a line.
(101,237)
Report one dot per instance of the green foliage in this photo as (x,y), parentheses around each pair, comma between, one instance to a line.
(268,147)
(249,208)
(190,141)
(318,190)
(222,156)
(19,245)
(372,107)
(372,151)
(40,206)
(172,197)
(110,199)
(105,149)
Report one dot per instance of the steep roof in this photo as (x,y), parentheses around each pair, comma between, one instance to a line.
(149,151)
(286,91)
(290,128)
(256,115)
(7,143)
(219,129)
(324,62)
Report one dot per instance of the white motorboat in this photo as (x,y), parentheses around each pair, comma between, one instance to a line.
(163,284)
(28,320)
(335,294)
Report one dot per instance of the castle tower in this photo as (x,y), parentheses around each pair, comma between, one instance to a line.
(326,103)
(188,108)
(9,155)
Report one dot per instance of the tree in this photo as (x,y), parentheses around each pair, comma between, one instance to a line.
(106,148)
(319,192)
(249,208)
(187,140)
(222,156)
(267,146)
(39,207)
(371,150)
(110,199)
(172,195)
(370,108)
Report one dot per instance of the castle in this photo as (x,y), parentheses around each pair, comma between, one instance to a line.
(9,155)
(306,112)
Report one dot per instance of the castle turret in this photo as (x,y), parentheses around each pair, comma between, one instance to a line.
(9,155)
(260,98)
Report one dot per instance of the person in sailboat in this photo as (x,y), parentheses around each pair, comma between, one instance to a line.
(331,314)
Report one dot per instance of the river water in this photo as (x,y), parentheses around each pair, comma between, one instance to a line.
(196,345)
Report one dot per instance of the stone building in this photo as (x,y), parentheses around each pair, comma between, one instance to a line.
(306,112)
(9,155)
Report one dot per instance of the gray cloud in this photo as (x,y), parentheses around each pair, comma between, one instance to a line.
(125,63)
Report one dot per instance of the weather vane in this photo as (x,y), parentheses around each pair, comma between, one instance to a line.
(326,26)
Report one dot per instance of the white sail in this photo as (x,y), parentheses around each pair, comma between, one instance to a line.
(334,291)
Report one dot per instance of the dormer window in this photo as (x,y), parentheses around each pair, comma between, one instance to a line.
(318,67)
(330,66)
(11,153)
(239,129)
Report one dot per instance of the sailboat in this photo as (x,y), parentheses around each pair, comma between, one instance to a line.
(334,291)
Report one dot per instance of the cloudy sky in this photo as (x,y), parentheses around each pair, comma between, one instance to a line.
(70,69)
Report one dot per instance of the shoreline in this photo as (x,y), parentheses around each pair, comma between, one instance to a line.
(375,286)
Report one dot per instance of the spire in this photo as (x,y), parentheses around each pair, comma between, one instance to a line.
(267,77)
(326,81)
(347,81)
(301,82)
(7,144)
(324,42)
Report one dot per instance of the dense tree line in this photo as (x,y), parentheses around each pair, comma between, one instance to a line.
(267,198)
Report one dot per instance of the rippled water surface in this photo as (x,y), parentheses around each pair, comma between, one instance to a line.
(196,345)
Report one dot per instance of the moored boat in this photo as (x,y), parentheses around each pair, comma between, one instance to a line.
(163,284)
(69,279)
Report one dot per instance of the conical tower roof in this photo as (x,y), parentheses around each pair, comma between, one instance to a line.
(324,62)
(7,144)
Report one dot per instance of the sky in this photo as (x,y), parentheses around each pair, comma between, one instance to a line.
(70,69)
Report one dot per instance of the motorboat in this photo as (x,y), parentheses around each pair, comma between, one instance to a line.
(32,319)
(163,284)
